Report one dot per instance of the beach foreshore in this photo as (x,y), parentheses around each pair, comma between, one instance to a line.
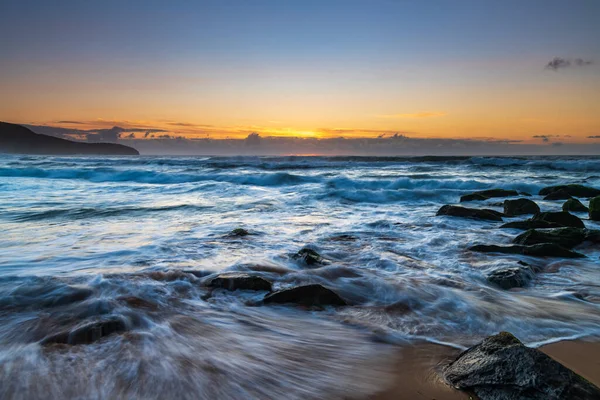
(419,368)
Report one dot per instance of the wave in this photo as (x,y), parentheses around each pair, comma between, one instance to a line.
(578,164)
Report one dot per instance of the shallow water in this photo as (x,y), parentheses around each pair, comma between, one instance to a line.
(118,228)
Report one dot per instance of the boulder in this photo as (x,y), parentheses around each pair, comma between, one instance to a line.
(88,333)
(537,250)
(561,218)
(239,281)
(529,224)
(558,195)
(309,256)
(488,194)
(511,277)
(475,213)
(238,232)
(307,295)
(520,207)
(574,205)
(564,237)
(571,190)
(502,368)
(595,209)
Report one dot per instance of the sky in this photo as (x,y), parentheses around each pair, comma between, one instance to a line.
(508,70)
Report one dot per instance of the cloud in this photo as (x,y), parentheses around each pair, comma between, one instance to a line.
(71,122)
(546,138)
(594,137)
(423,114)
(559,62)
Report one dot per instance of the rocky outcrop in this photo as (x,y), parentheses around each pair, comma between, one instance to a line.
(561,218)
(511,277)
(488,194)
(520,207)
(537,250)
(564,237)
(307,295)
(529,224)
(474,213)
(309,257)
(595,209)
(239,281)
(502,368)
(88,333)
(571,190)
(558,195)
(574,205)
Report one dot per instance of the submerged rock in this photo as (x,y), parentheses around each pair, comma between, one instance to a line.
(511,277)
(520,207)
(565,237)
(558,195)
(571,190)
(488,194)
(502,368)
(537,250)
(89,333)
(309,256)
(240,281)
(238,232)
(307,295)
(574,205)
(595,209)
(529,224)
(561,218)
(475,213)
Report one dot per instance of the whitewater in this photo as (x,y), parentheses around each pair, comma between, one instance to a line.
(136,237)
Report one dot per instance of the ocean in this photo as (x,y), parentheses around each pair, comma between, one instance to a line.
(136,238)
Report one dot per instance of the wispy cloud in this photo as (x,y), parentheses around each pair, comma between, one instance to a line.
(594,137)
(423,114)
(559,62)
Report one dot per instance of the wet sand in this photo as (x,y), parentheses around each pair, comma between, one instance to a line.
(419,369)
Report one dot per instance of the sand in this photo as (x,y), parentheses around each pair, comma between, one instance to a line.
(419,369)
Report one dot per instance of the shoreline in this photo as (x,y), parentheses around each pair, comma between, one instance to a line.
(418,369)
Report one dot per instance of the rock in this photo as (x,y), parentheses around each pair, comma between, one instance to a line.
(537,250)
(529,224)
(238,232)
(572,190)
(488,194)
(138,302)
(564,237)
(308,295)
(511,277)
(89,333)
(595,209)
(502,368)
(558,195)
(240,281)
(464,212)
(309,256)
(67,295)
(574,205)
(520,207)
(561,218)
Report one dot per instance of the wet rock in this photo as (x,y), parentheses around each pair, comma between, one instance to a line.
(571,190)
(529,224)
(511,277)
(520,207)
(138,302)
(240,281)
(565,237)
(238,232)
(574,205)
(308,295)
(309,256)
(67,295)
(537,250)
(475,213)
(558,195)
(488,194)
(561,218)
(595,209)
(502,368)
(88,333)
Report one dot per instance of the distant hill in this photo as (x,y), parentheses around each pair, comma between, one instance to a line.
(17,139)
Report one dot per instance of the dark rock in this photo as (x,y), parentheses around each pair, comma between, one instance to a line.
(558,195)
(571,190)
(308,295)
(529,224)
(502,368)
(475,213)
(537,250)
(574,205)
(239,232)
(488,194)
(525,194)
(240,281)
(511,277)
(89,333)
(564,237)
(309,256)
(561,218)
(595,209)
(520,207)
